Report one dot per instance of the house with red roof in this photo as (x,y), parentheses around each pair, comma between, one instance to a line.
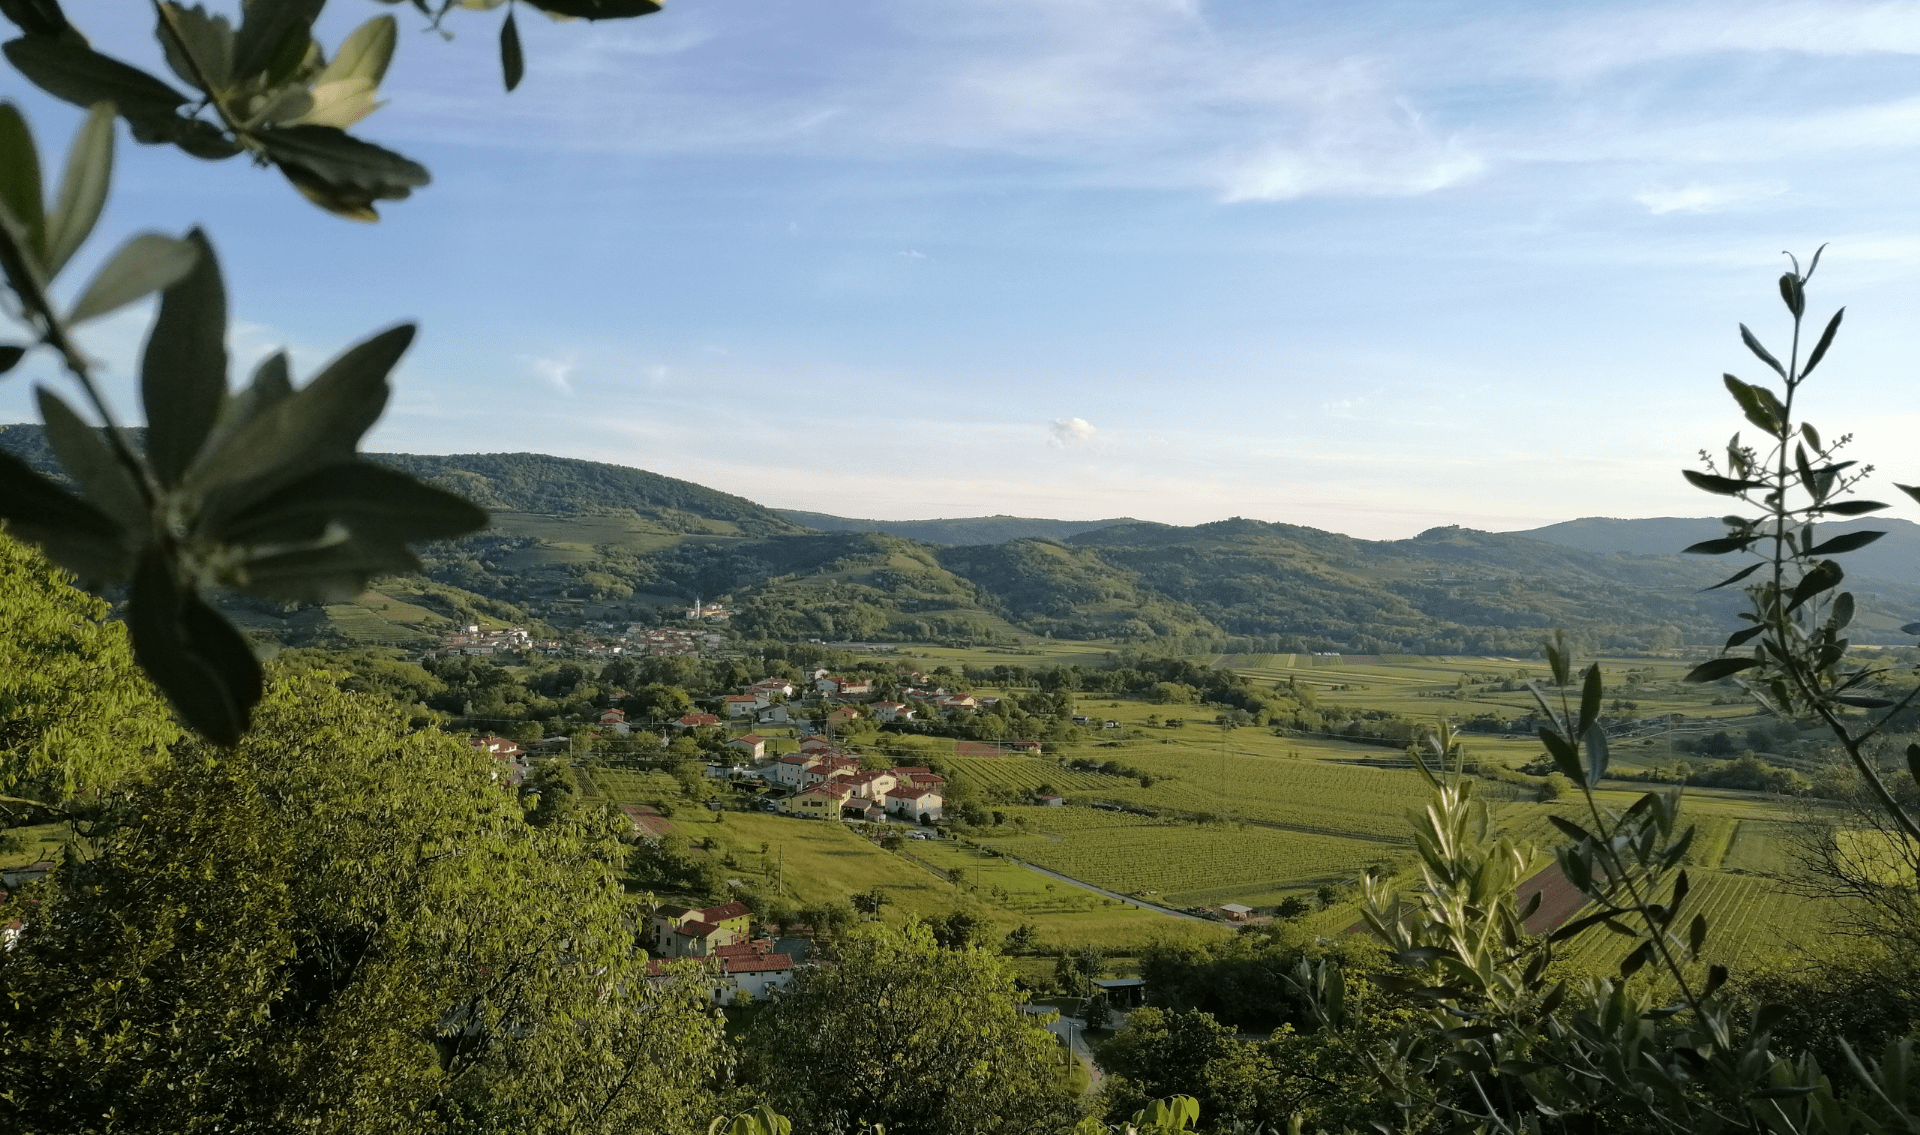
(821,802)
(680,932)
(696,720)
(741,705)
(730,975)
(913,802)
(892,711)
(790,771)
(751,744)
(873,785)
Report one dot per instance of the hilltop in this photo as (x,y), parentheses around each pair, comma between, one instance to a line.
(1894,556)
(964,530)
(580,540)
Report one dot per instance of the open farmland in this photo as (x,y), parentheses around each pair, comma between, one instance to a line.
(1206,776)
(1064,914)
(1749,921)
(820,862)
(1423,686)
(1181,864)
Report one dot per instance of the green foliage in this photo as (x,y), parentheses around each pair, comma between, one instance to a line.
(1795,661)
(902,1033)
(1162,1052)
(343,925)
(77,718)
(564,486)
(258,491)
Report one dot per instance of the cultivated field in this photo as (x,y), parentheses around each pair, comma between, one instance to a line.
(1183,864)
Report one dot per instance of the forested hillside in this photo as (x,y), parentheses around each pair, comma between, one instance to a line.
(962,530)
(580,539)
(1894,556)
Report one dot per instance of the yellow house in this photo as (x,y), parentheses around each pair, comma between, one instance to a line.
(842,715)
(680,933)
(823,801)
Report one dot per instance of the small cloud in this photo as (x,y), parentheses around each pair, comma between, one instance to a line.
(657,374)
(1702,198)
(913,254)
(1070,431)
(1344,407)
(557,373)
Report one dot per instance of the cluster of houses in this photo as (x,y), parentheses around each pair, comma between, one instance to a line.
(608,641)
(829,784)
(734,963)
(637,640)
(471,639)
(767,702)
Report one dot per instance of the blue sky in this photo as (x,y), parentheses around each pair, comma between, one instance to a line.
(1370,267)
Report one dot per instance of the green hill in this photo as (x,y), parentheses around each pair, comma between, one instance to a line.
(963,530)
(1895,556)
(565,486)
(535,483)
(580,540)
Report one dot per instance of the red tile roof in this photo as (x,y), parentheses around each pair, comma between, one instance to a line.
(725,911)
(765,963)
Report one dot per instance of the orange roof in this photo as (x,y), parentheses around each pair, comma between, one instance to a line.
(724,911)
(763,963)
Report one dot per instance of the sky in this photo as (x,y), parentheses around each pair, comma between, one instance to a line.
(1368,266)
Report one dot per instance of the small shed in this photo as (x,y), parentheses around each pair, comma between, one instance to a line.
(1235,911)
(1124,992)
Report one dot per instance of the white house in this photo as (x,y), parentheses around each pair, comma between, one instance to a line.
(790,770)
(913,802)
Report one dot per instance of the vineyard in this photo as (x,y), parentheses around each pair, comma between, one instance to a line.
(1749,921)
(1307,795)
(1026,775)
(1762,847)
(1185,864)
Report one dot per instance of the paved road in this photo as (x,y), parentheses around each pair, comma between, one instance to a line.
(1075,1030)
(1167,910)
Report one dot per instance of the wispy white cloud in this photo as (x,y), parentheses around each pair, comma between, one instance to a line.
(555,371)
(1066,432)
(1704,198)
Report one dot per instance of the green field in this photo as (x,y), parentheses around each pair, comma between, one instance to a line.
(1750,921)
(816,861)
(1243,815)
(1183,864)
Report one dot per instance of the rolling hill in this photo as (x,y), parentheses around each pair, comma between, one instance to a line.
(576,541)
(1894,556)
(969,530)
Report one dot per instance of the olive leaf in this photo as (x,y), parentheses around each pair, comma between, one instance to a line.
(269,87)
(262,490)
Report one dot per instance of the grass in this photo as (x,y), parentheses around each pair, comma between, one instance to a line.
(816,862)
(39,842)
(1761,847)
(1182,864)
(1749,921)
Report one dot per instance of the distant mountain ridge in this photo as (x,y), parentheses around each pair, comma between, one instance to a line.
(575,541)
(530,482)
(1894,556)
(966,530)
